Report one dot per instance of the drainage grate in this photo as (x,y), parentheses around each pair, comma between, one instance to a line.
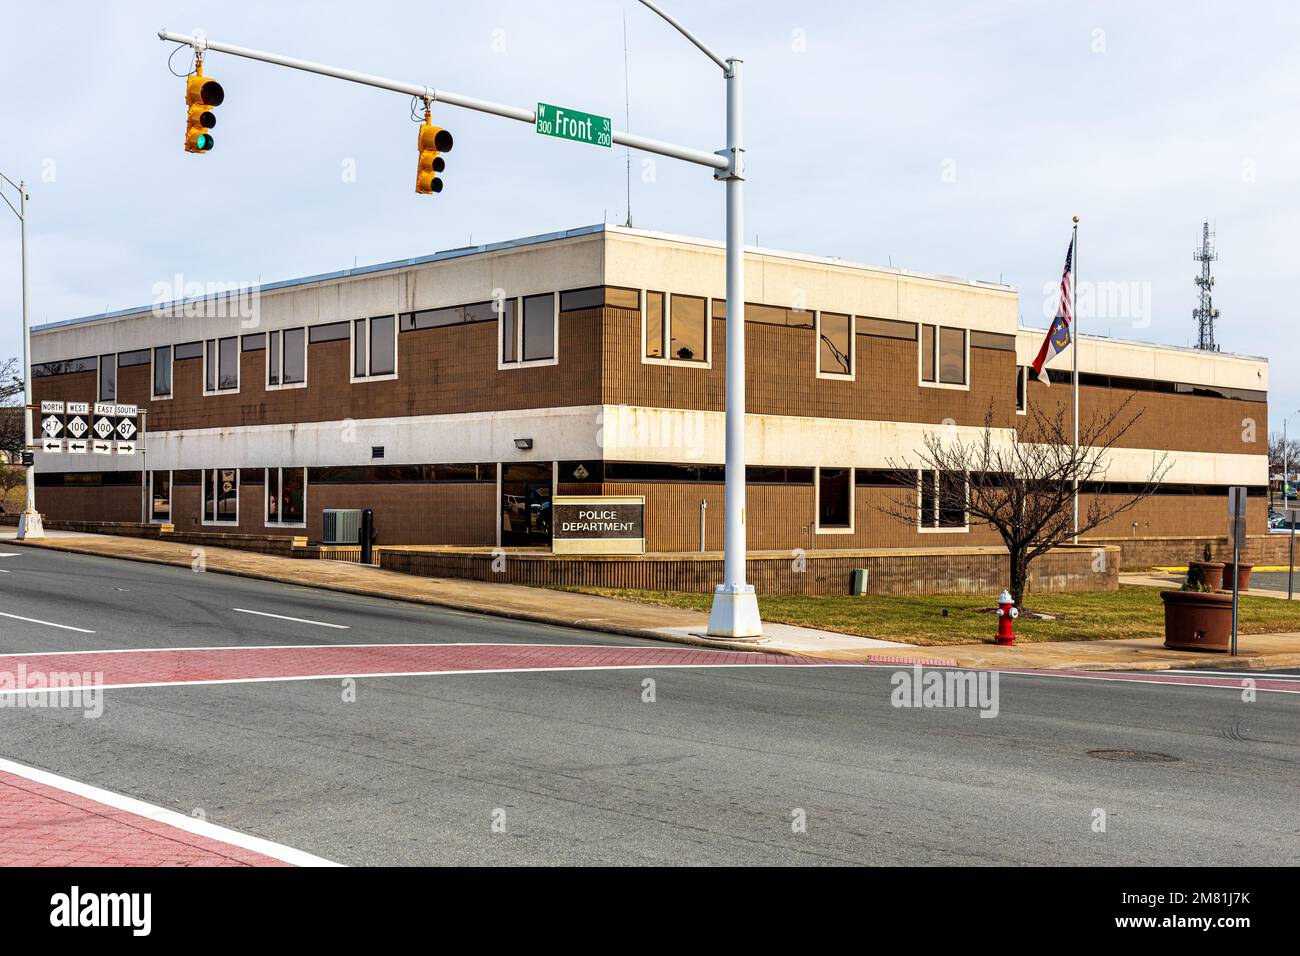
(1139,756)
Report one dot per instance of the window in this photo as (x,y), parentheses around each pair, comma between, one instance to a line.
(676,328)
(162,372)
(221,365)
(160,496)
(221,496)
(286,358)
(108,378)
(575,300)
(943,356)
(374,347)
(539,327)
(529,334)
(942,501)
(286,492)
(835,344)
(834,500)
(1022,389)
(654,325)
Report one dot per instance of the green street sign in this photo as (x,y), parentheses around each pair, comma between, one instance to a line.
(580,127)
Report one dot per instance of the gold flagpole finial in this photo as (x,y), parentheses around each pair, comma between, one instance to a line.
(1076,218)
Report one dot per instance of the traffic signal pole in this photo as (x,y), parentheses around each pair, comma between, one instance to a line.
(30,524)
(735,606)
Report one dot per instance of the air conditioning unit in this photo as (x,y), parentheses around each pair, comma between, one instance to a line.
(342,526)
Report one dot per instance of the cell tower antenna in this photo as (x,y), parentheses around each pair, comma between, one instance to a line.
(1205,313)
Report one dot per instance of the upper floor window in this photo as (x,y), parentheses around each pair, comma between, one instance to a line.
(676,327)
(943,356)
(529,334)
(286,358)
(221,365)
(1022,389)
(374,347)
(162,372)
(834,344)
(108,378)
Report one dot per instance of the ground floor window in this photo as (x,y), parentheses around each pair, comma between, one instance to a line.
(286,496)
(834,499)
(526,504)
(160,496)
(942,501)
(221,496)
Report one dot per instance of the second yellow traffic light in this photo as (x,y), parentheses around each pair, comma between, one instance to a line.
(433,140)
(202,93)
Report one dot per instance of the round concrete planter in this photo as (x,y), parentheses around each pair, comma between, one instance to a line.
(1211,571)
(1198,620)
(1243,576)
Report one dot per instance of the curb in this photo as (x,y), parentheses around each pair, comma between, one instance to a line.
(1257,661)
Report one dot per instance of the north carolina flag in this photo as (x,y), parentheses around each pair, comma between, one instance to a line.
(1058,336)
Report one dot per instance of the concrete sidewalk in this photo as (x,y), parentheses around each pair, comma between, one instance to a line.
(591,612)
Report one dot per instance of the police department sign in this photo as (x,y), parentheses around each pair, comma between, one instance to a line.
(598,524)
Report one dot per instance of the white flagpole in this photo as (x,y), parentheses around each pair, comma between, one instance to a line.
(1074,341)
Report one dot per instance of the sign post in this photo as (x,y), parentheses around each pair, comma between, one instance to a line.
(1237,529)
(1292,515)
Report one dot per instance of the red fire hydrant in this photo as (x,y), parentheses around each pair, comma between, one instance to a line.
(1007,613)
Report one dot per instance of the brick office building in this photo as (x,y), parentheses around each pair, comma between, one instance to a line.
(456,394)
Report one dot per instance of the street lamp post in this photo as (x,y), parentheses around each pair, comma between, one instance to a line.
(735,606)
(29,524)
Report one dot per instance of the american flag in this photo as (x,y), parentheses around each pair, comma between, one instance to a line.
(1059,336)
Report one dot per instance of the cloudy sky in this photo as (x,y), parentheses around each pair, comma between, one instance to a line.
(945,137)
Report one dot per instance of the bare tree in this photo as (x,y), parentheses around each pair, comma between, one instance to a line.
(1022,481)
(11,382)
(1283,457)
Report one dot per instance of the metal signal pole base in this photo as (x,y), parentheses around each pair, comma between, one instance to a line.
(30,525)
(735,613)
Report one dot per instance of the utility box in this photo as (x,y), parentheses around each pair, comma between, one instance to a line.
(341,526)
(859,585)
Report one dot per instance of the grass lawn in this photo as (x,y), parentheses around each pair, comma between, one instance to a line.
(1130,612)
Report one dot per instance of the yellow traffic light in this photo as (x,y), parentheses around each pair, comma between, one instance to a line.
(433,140)
(201,94)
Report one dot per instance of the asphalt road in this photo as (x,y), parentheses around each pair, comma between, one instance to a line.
(576,768)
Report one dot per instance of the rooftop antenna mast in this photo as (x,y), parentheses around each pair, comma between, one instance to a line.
(1206,313)
(627,121)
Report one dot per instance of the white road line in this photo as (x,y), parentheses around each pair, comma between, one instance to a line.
(9,554)
(1149,683)
(316,647)
(1236,673)
(33,620)
(276,851)
(283,617)
(216,681)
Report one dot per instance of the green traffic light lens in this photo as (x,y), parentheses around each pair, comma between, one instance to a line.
(204,143)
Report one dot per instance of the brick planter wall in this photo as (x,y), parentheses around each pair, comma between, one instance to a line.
(936,571)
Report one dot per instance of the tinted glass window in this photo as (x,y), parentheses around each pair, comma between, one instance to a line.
(273,359)
(834,489)
(359,365)
(295,356)
(927,353)
(229,368)
(107,378)
(686,331)
(162,370)
(952,356)
(383,345)
(539,327)
(833,351)
(509,332)
(654,325)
